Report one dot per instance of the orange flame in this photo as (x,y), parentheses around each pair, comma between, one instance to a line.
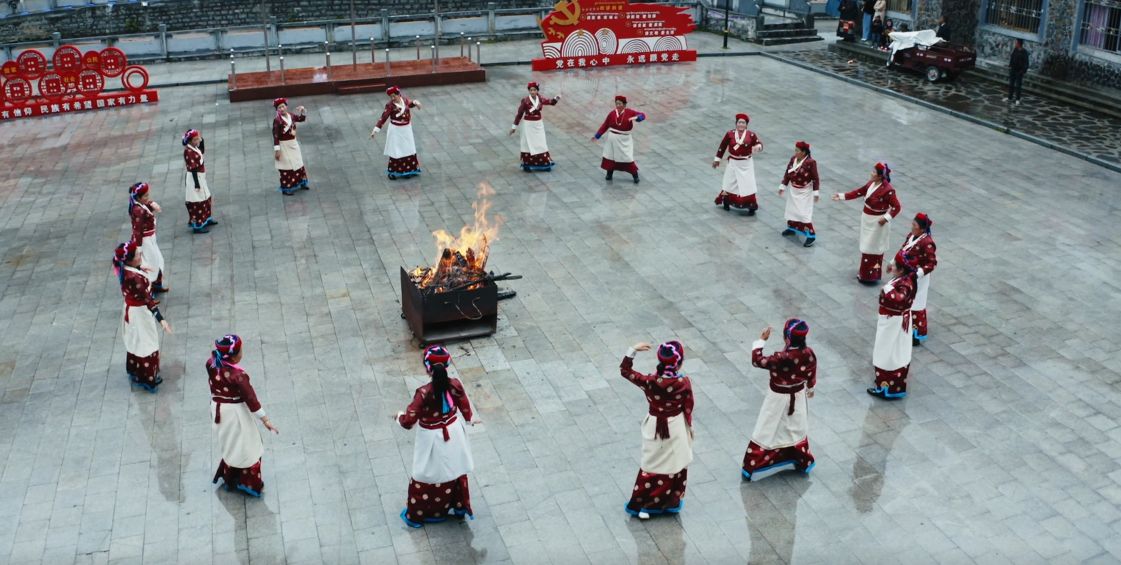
(462,258)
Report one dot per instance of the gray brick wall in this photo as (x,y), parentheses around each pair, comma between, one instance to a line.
(195,14)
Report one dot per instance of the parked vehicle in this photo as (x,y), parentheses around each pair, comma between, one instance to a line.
(925,52)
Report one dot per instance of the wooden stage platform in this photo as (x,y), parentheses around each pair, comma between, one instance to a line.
(349,79)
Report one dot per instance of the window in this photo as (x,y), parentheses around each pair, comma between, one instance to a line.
(1017,15)
(1101,25)
(903,6)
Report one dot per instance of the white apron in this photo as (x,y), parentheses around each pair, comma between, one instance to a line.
(800,203)
(619,147)
(203,192)
(239,438)
(873,236)
(739,177)
(775,429)
(399,141)
(666,456)
(291,159)
(151,257)
(533,137)
(893,344)
(141,332)
(437,461)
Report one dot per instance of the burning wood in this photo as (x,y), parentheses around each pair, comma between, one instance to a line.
(461,260)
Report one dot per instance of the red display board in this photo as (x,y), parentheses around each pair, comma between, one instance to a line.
(70,82)
(603,33)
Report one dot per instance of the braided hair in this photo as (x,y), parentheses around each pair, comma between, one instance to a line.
(225,347)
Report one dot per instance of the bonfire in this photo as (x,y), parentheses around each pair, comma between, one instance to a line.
(461,260)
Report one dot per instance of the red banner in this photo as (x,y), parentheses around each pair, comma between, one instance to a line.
(602,33)
(70,82)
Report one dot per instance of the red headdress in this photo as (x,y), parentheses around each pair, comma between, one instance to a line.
(803,146)
(795,331)
(743,117)
(620,98)
(884,171)
(671,355)
(191,134)
(436,355)
(121,255)
(278,101)
(225,347)
(924,221)
(533,85)
(392,90)
(905,261)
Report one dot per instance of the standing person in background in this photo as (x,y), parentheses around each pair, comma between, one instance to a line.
(233,406)
(881,10)
(1017,68)
(943,29)
(738,186)
(534,149)
(618,150)
(866,23)
(199,212)
(400,145)
(286,150)
(667,432)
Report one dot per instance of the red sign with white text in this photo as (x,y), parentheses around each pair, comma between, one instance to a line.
(70,82)
(602,33)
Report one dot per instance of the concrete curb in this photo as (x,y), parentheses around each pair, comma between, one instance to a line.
(1115,167)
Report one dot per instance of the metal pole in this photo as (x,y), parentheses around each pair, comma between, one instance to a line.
(436,26)
(433,48)
(478,54)
(727,10)
(233,72)
(353,39)
(418,48)
(461,44)
(265,28)
(280,49)
(282,80)
(387,73)
(468,48)
(373,52)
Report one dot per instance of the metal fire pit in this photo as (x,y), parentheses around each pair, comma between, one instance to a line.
(447,316)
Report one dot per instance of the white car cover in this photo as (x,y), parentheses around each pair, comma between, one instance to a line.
(909,39)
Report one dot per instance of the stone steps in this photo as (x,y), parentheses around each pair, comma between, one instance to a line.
(785,33)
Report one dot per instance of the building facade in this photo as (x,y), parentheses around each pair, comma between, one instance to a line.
(1076,40)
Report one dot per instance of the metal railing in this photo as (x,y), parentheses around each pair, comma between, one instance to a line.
(902,6)
(1101,25)
(384,31)
(1017,15)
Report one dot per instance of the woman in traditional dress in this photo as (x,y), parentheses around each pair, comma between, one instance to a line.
(920,246)
(142,319)
(199,214)
(142,211)
(891,356)
(880,206)
(781,430)
(233,405)
(800,172)
(441,455)
(667,432)
(400,146)
(285,148)
(535,152)
(738,187)
(618,151)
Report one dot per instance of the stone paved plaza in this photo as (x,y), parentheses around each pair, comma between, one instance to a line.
(1006,451)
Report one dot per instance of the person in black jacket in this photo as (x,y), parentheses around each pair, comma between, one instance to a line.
(943,29)
(850,18)
(1017,68)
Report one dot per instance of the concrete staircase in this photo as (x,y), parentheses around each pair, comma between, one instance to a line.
(796,31)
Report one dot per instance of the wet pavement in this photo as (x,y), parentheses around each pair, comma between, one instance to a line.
(1085,131)
(1007,450)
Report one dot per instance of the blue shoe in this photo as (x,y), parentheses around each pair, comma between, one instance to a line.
(810,468)
(882,392)
(287,192)
(146,386)
(249,491)
(746,476)
(409,522)
(809,242)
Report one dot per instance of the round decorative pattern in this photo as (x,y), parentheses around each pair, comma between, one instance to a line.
(32,64)
(608,43)
(67,60)
(51,86)
(635,46)
(92,60)
(668,43)
(130,74)
(70,81)
(10,69)
(113,62)
(579,44)
(17,89)
(90,82)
